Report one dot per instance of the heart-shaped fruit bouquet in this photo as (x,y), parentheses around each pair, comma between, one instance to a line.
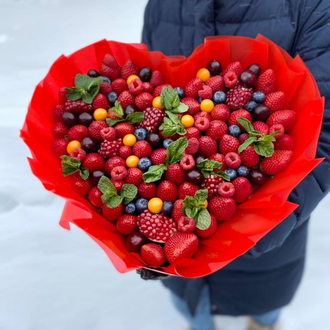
(172,164)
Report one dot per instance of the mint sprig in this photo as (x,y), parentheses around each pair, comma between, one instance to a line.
(86,88)
(118,115)
(207,168)
(170,100)
(73,165)
(154,173)
(172,125)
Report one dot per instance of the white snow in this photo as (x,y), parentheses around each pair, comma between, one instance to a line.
(55,279)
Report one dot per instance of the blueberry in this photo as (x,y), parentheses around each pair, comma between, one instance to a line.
(167,209)
(243,171)
(141,205)
(167,142)
(234,130)
(219,97)
(180,92)
(130,208)
(258,97)
(251,106)
(144,164)
(107,80)
(200,100)
(112,97)
(231,172)
(141,134)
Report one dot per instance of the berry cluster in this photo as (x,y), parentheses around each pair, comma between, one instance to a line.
(164,163)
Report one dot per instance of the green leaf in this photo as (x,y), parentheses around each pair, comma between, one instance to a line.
(207,167)
(175,151)
(87,98)
(114,201)
(222,175)
(201,195)
(172,125)
(189,202)
(106,185)
(188,212)
(128,192)
(175,119)
(112,122)
(73,96)
(70,165)
(119,109)
(169,98)
(246,124)
(84,173)
(86,82)
(135,118)
(264,148)
(203,219)
(154,173)
(246,143)
(181,108)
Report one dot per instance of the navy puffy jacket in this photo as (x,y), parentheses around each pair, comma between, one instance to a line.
(267,276)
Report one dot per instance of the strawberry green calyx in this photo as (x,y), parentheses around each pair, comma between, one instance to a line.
(118,115)
(71,166)
(207,168)
(262,142)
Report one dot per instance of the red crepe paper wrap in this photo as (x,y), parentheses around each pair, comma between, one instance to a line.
(267,206)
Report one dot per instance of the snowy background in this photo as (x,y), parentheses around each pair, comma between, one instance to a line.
(55,279)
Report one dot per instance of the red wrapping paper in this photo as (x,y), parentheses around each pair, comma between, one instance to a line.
(267,206)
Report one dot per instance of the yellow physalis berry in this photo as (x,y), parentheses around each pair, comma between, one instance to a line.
(187,121)
(129,140)
(100,114)
(156,103)
(73,145)
(207,105)
(132,77)
(132,161)
(155,205)
(205,204)
(203,74)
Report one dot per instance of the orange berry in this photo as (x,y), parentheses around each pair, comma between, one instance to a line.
(156,103)
(129,140)
(100,114)
(207,105)
(132,161)
(155,205)
(203,74)
(187,121)
(73,145)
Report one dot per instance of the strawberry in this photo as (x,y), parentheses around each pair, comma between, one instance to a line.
(78,132)
(153,118)
(261,127)
(202,114)
(187,189)
(118,184)
(228,143)
(59,130)
(209,231)
(94,197)
(93,162)
(193,132)
(158,89)
(134,176)
(235,67)
(177,210)
(142,149)
(230,79)
(216,83)
(285,117)
(192,87)
(110,68)
(285,142)
(156,78)
(175,174)
(220,112)
(113,162)
(243,189)
(153,255)
(147,190)
(275,101)
(112,214)
(266,82)
(125,152)
(221,159)
(105,88)
(167,191)
(59,147)
(144,101)
(223,208)
(100,101)
(158,156)
(95,129)
(217,129)
(180,246)
(123,129)
(119,85)
(147,87)
(207,146)
(110,148)
(77,106)
(278,162)
(211,183)
(193,105)
(237,114)
(125,98)
(249,157)
(127,224)
(276,127)
(79,185)
(129,69)
(193,146)
(238,97)
(58,111)
(206,92)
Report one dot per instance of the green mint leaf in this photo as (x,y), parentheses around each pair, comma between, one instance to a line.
(246,143)
(203,219)
(222,175)
(112,122)
(81,81)
(188,212)
(119,109)
(169,131)
(128,192)
(207,167)
(264,148)
(87,98)
(181,108)
(70,165)
(135,118)
(270,137)
(175,151)
(106,185)
(169,98)
(114,201)
(172,125)
(201,195)
(175,119)
(189,202)
(246,124)
(84,173)
(154,173)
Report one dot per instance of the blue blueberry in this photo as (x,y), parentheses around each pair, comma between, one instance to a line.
(231,172)
(234,130)
(112,97)
(219,97)
(258,97)
(200,100)
(144,164)
(180,92)
(141,134)
(167,209)
(141,205)
(251,106)
(130,208)
(243,171)
(167,142)
(107,80)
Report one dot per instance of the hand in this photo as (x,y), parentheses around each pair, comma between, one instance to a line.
(146,274)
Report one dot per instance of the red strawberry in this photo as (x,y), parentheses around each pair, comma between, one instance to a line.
(177,210)
(127,224)
(129,69)
(93,162)
(153,118)
(243,137)
(234,66)
(216,83)
(110,68)
(158,89)
(110,148)
(175,174)
(59,130)
(134,176)
(144,101)
(105,88)
(147,87)
(58,111)
(275,101)
(100,101)
(238,97)
(118,184)
(249,157)
(207,146)
(237,114)
(211,184)
(223,208)
(77,106)
(95,129)
(192,87)
(147,190)
(230,79)
(78,132)
(285,117)
(167,191)
(156,78)
(221,159)
(193,132)
(114,213)
(261,127)
(193,105)
(142,149)
(125,152)
(123,129)
(158,156)
(205,93)
(153,255)
(79,185)
(193,146)
(276,127)
(266,82)
(119,85)
(125,98)
(217,129)
(187,189)
(285,142)
(228,143)
(135,86)
(278,162)
(209,231)
(59,147)
(94,197)
(113,162)
(220,112)
(243,189)
(180,246)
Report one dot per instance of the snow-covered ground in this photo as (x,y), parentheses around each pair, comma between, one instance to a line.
(55,279)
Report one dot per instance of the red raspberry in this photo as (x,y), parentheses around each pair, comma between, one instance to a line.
(230,79)
(193,105)
(59,130)
(217,129)
(221,159)
(276,127)
(260,127)
(211,183)
(119,85)
(187,189)
(175,174)
(186,225)
(135,86)
(177,210)
(125,98)
(153,255)
(193,132)
(78,154)
(158,156)
(110,67)
(205,93)
(153,118)
(228,143)
(105,88)
(202,123)
(95,129)
(142,149)
(285,142)
(207,146)
(226,189)
(108,133)
(129,69)
(57,112)
(94,197)
(249,157)
(223,208)
(216,83)
(93,162)
(110,148)
(127,224)
(59,147)
(192,87)
(234,66)
(167,191)
(118,184)
(144,101)
(243,189)
(100,101)
(158,89)
(134,176)
(238,97)
(148,88)
(118,173)
(78,132)
(113,162)
(193,146)
(220,112)
(77,106)
(237,114)
(209,231)
(233,160)
(202,114)
(123,129)
(79,185)
(187,162)
(156,78)
(114,213)
(147,190)
(125,151)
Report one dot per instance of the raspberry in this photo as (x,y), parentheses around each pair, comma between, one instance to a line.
(58,112)
(193,146)
(211,183)
(134,176)
(93,162)
(118,173)
(119,85)
(125,151)
(187,162)
(233,160)
(78,132)
(125,98)
(153,118)
(207,146)
(113,162)
(95,129)
(226,189)
(135,86)
(77,106)
(78,154)
(144,101)
(276,127)
(193,105)
(59,130)
(202,123)
(202,114)
(110,148)
(230,79)
(108,133)
(186,225)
